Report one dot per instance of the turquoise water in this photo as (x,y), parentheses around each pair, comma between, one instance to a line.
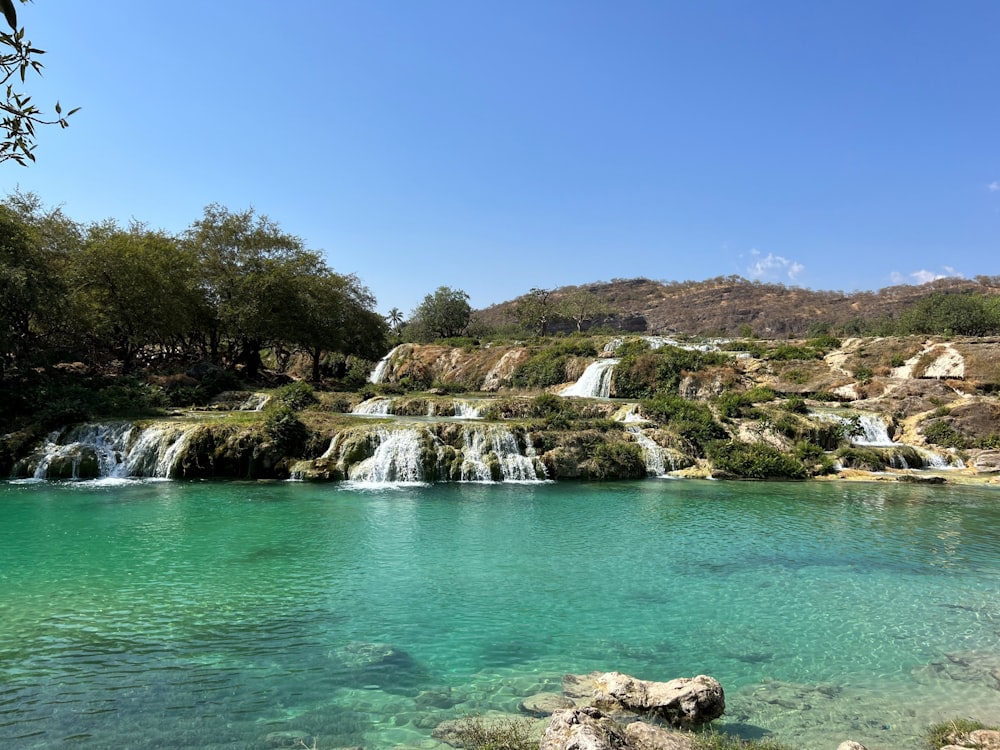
(208,615)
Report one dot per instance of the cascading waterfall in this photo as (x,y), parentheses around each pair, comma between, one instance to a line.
(595,381)
(629,414)
(652,452)
(466,410)
(495,445)
(396,455)
(378,406)
(867,429)
(378,373)
(113,450)
(398,458)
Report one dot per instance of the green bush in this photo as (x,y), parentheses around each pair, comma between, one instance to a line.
(865,459)
(547,367)
(618,461)
(754,461)
(795,405)
(643,374)
(283,428)
(692,421)
(941,433)
(296,396)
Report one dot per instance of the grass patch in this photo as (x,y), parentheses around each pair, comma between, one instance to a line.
(951,732)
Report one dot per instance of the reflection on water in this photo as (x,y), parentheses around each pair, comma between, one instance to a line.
(211,615)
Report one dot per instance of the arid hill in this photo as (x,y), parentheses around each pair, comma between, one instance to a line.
(727,305)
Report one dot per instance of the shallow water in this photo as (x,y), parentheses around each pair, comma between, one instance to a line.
(208,615)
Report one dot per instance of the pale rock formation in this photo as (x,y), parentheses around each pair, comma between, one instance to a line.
(683,702)
(583,729)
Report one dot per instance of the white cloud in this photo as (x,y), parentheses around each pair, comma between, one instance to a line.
(923,276)
(993,186)
(772,267)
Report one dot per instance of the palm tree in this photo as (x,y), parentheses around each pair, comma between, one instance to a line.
(395,319)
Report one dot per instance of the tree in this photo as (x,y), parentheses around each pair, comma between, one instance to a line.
(135,288)
(336,315)
(37,247)
(20,115)
(582,307)
(441,315)
(395,319)
(250,268)
(534,310)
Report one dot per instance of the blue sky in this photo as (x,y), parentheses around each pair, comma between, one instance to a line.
(496,147)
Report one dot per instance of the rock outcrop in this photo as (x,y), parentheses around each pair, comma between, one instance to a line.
(683,702)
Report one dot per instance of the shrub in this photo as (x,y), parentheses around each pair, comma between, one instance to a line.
(941,433)
(618,461)
(865,459)
(692,421)
(295,396)
(548,367)
(476,733)
(754,460)
(795,405)
(643,374)
(283,428)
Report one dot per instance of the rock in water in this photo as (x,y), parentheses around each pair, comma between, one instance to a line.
(684,702)
(582,729)
(545,704)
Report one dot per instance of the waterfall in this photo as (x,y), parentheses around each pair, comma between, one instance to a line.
(629,414)
(595,381)
(495,449)
(652,452)
(874,431)
(378,373)
(465,410)
(379,406)
(398,458)
(255,402)
(867,429)
(112,450)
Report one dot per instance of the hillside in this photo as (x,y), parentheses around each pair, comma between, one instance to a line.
(726,305)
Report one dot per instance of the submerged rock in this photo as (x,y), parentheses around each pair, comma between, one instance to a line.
(545,704)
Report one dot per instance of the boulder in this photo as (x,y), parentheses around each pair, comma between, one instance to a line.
(683,702)
(851,745)
(582,729)
(545,704)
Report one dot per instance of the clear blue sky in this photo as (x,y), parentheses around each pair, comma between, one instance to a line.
(498,146)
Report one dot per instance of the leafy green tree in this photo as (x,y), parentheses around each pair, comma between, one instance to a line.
(18,57)
(250,269)
(137,288)
(967,314)
(442,315)
(336,315)
(36,248)
(534,310)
